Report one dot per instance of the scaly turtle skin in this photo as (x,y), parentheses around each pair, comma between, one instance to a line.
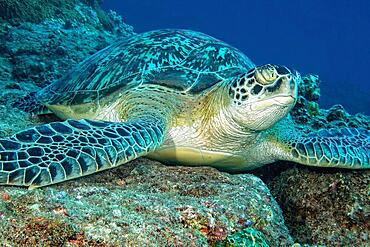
(177,96)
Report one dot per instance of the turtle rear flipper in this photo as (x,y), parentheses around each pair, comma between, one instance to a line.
(60,151)
(31,104)
(343,148)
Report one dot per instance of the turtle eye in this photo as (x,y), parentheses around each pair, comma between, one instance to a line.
(266,74)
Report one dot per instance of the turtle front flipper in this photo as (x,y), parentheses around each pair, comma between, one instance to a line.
(60,151)
(342,148)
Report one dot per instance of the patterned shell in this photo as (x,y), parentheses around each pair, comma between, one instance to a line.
(184,60)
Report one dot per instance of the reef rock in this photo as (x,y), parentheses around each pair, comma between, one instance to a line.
(325,207)
(140,204)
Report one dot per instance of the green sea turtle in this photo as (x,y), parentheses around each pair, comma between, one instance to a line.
(177,96)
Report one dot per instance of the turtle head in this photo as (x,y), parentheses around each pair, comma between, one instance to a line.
(263,96)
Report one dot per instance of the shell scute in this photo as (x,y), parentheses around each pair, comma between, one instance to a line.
(179,59)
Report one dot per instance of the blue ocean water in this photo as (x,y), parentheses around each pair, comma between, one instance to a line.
(328,38)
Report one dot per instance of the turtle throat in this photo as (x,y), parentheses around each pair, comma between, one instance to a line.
(218,126)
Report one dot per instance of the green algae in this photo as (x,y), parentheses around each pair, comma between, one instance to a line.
(248,237)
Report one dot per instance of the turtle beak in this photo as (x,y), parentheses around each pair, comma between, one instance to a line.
(293,84)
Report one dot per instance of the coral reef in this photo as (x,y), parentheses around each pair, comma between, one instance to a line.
(144,203)
(70,12)
(308,113)
(36,10)
(35,52)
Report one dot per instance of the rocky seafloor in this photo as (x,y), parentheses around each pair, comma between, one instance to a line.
(145,203)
